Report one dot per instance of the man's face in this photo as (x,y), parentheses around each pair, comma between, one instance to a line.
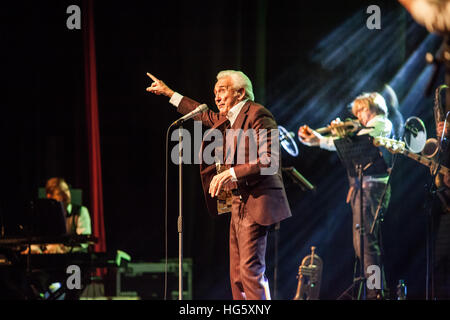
(62,194)
(226,95)
(364,115)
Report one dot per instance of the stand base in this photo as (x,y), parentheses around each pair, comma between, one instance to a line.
(357,283)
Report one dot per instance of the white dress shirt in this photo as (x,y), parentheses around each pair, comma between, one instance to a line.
(231,116)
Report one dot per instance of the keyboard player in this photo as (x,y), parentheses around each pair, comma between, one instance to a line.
(78,220)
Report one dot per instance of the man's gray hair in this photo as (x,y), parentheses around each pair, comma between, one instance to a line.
(240,80)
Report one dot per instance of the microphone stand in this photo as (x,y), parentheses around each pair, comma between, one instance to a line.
(429,205)
(180,210)
(179,123)
(358,154)
(432,189)
(180,214)
(362,285)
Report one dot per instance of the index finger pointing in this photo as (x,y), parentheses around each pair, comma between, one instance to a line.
(152,76)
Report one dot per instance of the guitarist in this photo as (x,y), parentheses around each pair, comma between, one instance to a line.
(372,112)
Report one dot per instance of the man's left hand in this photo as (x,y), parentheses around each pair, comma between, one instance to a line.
(219,182)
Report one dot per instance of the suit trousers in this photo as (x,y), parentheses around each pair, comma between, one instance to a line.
(372,193)
(248,242)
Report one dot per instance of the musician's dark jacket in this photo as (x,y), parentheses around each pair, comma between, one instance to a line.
(264,195)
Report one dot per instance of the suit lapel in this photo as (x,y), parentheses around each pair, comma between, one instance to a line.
(238,125)
(241,116)
(219,123)
(216,125)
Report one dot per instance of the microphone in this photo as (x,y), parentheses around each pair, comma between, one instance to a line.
(200,109)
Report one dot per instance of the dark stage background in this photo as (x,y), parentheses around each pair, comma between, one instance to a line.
(307,61)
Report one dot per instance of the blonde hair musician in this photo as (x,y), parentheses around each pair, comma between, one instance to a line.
(371,111)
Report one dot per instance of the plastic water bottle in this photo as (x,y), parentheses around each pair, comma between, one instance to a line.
(401,290)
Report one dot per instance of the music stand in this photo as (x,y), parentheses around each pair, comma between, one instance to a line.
(48,218)
(360,157)
(298,179)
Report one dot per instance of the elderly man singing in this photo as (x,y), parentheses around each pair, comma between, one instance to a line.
(259,198)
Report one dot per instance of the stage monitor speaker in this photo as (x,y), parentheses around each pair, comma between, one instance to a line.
(146,280)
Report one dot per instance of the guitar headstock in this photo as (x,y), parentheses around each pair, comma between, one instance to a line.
(393,146)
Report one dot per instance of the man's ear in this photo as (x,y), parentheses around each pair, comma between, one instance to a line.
(241,93)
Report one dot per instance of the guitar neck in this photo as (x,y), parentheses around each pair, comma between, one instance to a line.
(425,161)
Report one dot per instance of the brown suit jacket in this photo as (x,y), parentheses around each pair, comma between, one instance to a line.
(264,195)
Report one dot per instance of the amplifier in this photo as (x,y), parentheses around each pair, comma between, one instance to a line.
(146,280)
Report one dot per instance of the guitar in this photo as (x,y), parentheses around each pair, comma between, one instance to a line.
(394,146)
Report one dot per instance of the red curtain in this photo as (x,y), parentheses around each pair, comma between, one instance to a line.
(95,168)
